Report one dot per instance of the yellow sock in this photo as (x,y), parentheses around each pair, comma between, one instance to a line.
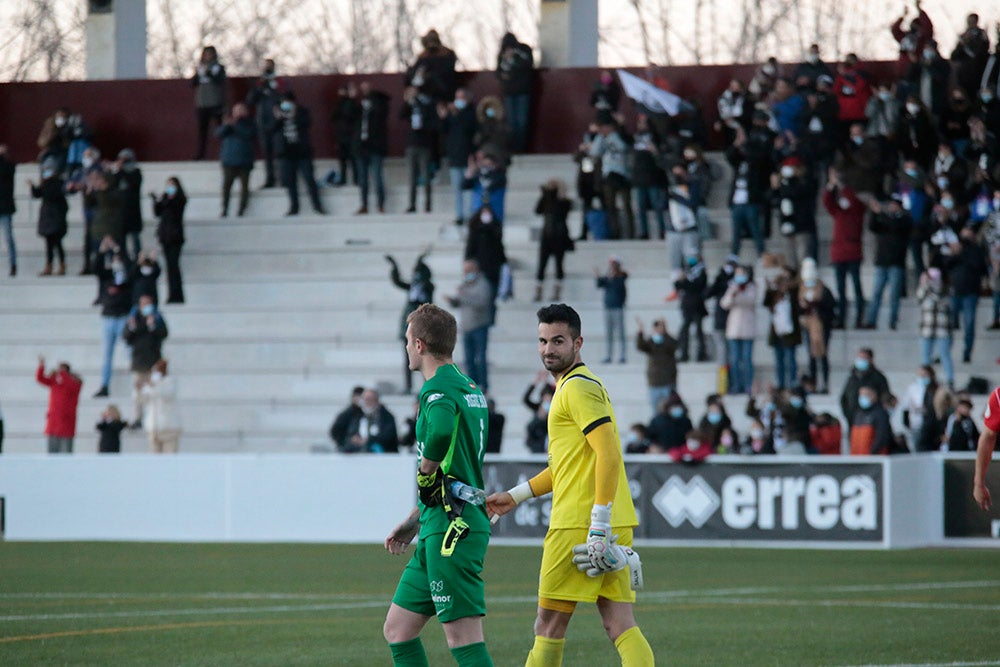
(634,649)
(546,653)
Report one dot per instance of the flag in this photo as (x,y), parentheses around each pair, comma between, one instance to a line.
(648,95)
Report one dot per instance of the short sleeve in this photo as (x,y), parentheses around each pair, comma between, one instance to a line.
(587,404)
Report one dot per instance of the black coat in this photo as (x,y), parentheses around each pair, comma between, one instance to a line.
(52,216)
(692,287)
(146,342)
(967,268)
(515,71)
(292,135)
(555,232)
(485,245)
(345,117)
(170,210)
(892,235)
(116,298)
(382,437)
(129,184)
(7,206)
(371,132)
(459,130)
(669,432)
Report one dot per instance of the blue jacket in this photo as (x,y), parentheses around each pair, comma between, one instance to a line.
(614,290)
(237,143)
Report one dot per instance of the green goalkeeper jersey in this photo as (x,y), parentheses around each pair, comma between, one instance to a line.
(451,428)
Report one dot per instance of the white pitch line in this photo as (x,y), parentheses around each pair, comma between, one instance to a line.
(938,606)
(937,664)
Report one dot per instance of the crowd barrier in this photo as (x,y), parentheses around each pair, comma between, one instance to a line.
(806,502)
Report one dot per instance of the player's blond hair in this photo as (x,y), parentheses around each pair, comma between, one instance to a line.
(436,327)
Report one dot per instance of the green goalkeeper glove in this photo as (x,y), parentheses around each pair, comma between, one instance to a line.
(430,487)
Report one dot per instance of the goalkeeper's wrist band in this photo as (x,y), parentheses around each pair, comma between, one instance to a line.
(521,492)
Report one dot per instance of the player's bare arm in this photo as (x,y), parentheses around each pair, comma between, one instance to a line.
(498,504)
(401,536)
(984,452)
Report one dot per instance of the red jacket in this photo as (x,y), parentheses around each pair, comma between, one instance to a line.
(852,91)
(64,394)
(848,223)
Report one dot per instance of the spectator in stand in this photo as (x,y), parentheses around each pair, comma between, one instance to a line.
(372,429)
(960,432)
(695,450)
(692,286)
(970,55)
(785,333)
(588,178)
(371,138)
(735,110)
(146,272)
(493,136)
(648,177)
(806,73)
(853,92)
(992,237)
(949,172)
(607,94)
(115,280)
(54,138)
(64,395)
(848,214)
(763,406)
(716,291)
(236,155)
(145,331)
(928,77)
(495,422)
(966,266)
(757,440)
(421,137)
(7,207)
(433,72)
(345,118)
(338,430)
(637,439)
(729,442)
(954,122)
(926,404)
(293,146)
(51,217)
(555,240)
(169,208)
(484,245)
(891,226)
(107,203)
(699,180)
(793,193)
(764,79)
(936,320)
(660,349)
(912,41)
(419,290)
(264,97)
(715,422)
(910,187)
(882,120)
(128,181)
(816,314)
(486,176)
(79,141)
(740,300)
(683,236)
(515,65)
(871,432)
(209,83)
(787,106)
(611,149)
(750,157)
(669,428)
(90,162)
(860,163)
(458,129)
(110,429)
(863,374)
(916,137)
(537,430)
(475,298)
(615,297)
(162,417)
(798,420)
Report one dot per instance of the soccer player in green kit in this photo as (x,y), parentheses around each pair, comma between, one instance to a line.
(444,576)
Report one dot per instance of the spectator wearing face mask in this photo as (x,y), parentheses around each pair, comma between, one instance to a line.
(926,404)
(695,450)
(493,136)
(371,144)
(606,95)
(236,156)
(115,280)
(484,245)
(486,177)
(966,265)
(264,97)
(555,240)
(373,428)
(419,112)
(812,68)
(910,189)
(913,39)
(916,135)
(615,297)
(970,55)
(537,430)
(750,156)
(637,439)
(293,124)
(162,416)
(458,128)
(715,421)
(882,118)
(127,179)
(419,290)
(145,274)
(345,117)
(660,349)
(209,82)
(7,207)
(871,432)
(740,300)
(853,91)
(929,76)
(785,333)
(82,182)
(54,138)
(891,226)
(863,374)
(817,310)
(948,171)
(961,433)
(669,428)
(794,195)
(937,321)
(729,442)
(691,286)
(757,441)
(846,252)
(616,177)
(51,217)
(170,231)
(145,331)
(515,63)
(720,284)
(475,299)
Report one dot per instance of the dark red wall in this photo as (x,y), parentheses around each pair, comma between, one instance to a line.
(156,117)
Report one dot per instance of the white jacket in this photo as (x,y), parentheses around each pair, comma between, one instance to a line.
(161,412)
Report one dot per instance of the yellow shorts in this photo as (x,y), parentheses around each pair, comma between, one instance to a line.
(559,578)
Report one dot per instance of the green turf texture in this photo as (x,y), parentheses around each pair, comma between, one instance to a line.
(294,604)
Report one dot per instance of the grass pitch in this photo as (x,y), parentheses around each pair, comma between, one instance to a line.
(282,604)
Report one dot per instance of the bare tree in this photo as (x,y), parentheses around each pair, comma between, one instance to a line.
(44,41)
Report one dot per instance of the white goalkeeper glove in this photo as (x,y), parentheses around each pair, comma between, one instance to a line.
(625,557)
(602,554)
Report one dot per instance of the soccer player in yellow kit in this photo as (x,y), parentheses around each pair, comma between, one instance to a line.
(586,555)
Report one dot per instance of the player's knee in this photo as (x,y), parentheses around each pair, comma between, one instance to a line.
(393,633)
(616,626)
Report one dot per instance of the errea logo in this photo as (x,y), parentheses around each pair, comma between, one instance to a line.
(433,397)
(680,501)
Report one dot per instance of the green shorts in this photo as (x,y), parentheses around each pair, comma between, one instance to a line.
(450,588)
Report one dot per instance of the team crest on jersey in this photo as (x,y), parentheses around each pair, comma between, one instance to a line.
(433,397)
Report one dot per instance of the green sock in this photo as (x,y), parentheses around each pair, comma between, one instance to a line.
(472,655)
(409,654)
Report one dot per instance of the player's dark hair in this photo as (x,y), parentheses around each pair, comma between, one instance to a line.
(436,327)
(560,312)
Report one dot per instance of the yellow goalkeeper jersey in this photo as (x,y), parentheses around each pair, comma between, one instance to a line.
(580,405)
